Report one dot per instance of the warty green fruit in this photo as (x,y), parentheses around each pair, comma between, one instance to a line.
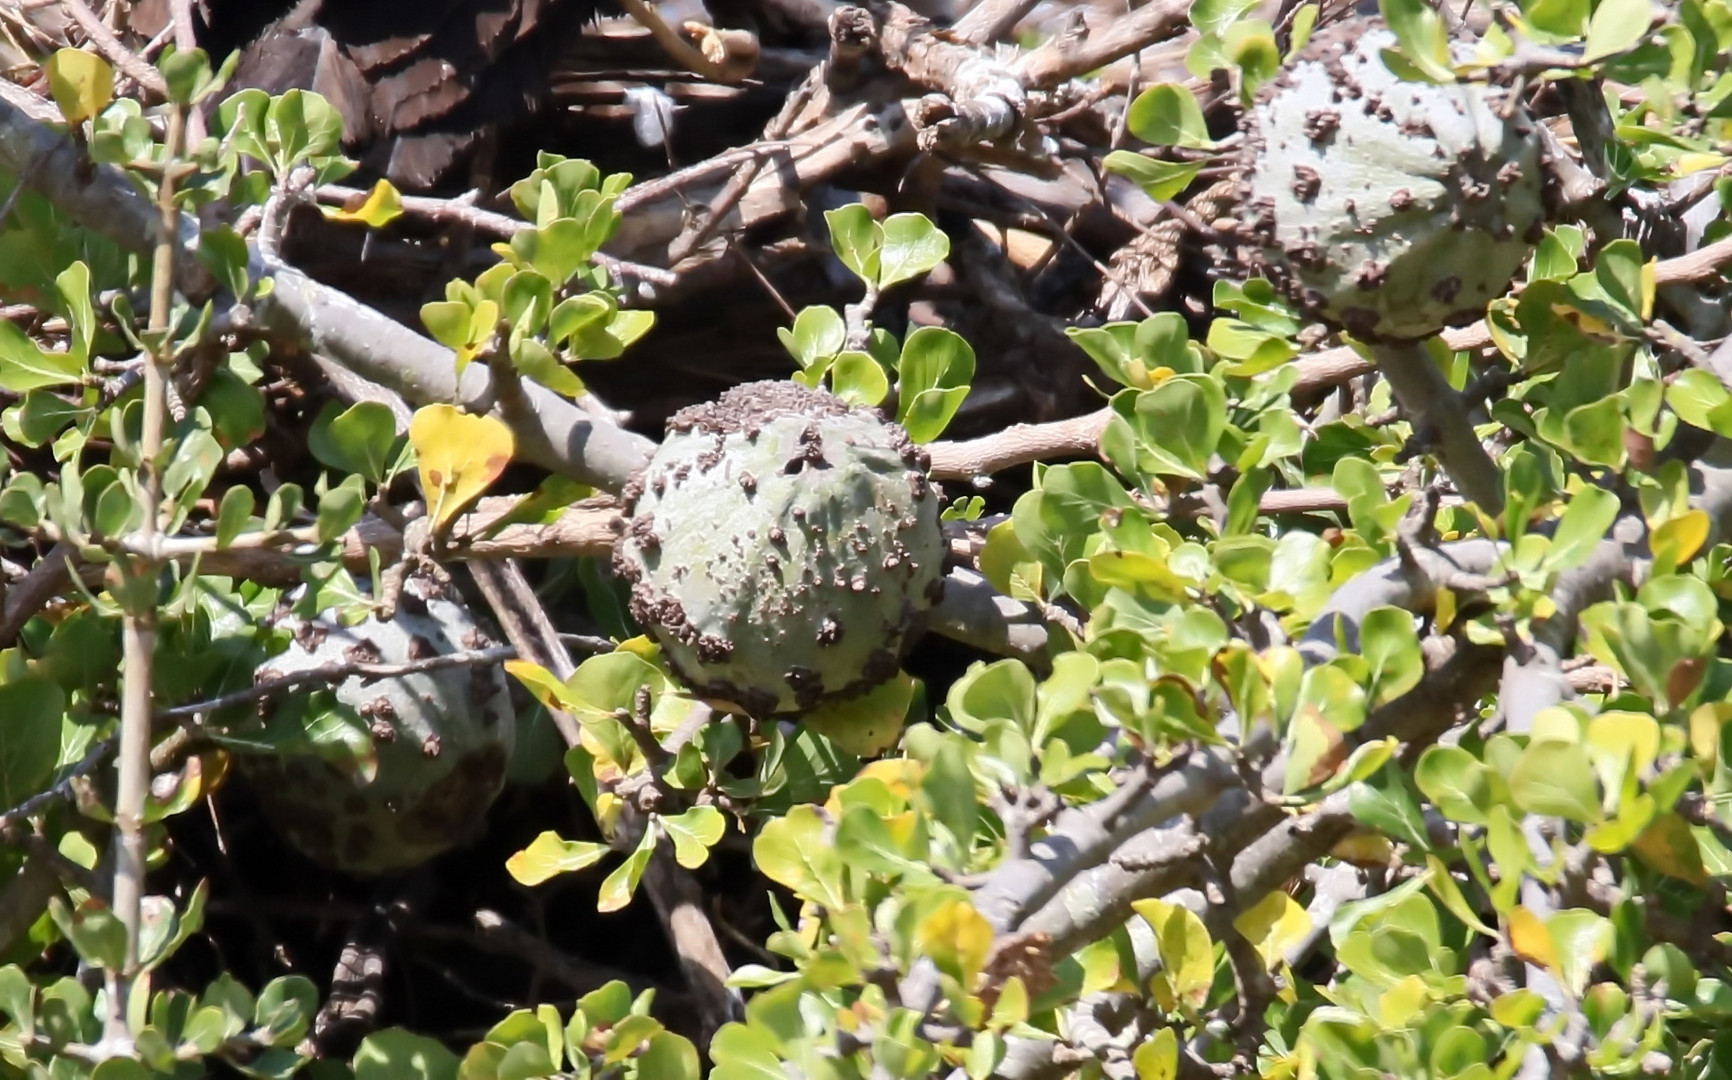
(1386,207)
(782,547)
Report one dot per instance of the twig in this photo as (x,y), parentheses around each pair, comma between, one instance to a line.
(1066,58)
(140,614)
(335,672)
(457,211)
(1433,406)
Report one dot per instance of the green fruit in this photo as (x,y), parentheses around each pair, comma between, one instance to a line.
(440,739)
(782,547)
(1388,208)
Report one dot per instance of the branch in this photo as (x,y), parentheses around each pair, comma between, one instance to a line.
(1439,416)
(551,431)
(1066,57)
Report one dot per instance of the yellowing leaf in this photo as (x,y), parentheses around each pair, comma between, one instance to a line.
(548,856)
(458,456)
(1401,1001)
(377,209)
(1530,939)
(1670,847)
(1706,721)
(867,725)
(957,938)
(1187,955)
(1274,925)
(82,84)
(1158,1057)
(1676,541)
(1443,609)
(1368,849)
(1695,162)
(540,683)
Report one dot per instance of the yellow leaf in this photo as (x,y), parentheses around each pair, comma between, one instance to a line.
(377,209)
(957,938)
(1649,283)
(867,725)
(1158,1057)
(458,456)
(1187,955)
(1695,162)
(82,84)
(1274,925)
(1530,938)
(548,856)
(1676,541)
(1443,609)
(540,683)
(1705,723)
(1400,1002)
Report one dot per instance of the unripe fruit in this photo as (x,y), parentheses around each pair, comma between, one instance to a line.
(441,738)
(782,547)
(1387,208)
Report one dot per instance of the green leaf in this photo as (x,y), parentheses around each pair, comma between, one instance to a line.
(224,253)
(1250,44)
(1424,41)
(1556,779)
(395,1054)
(858,379)
(744,1053)
(856,239)
(1167,114)
(23,366)
(447,321)
(818,335)
(912,246)
(617,889)
(1385,803)
(1457,783)
(1615,26)
(1563,19)
(534,359)
(1173,429)
(285,1009)
(32,711)
(794,851)
(694,833)
(1583,525)
(361,439)
(1160,180)
(94,929)
(1390,645)
(1595,432)
(340,507)
(186,73)
(935,370)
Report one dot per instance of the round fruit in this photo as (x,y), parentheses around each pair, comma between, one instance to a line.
(782,547)
(1386,207)
(440,739)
